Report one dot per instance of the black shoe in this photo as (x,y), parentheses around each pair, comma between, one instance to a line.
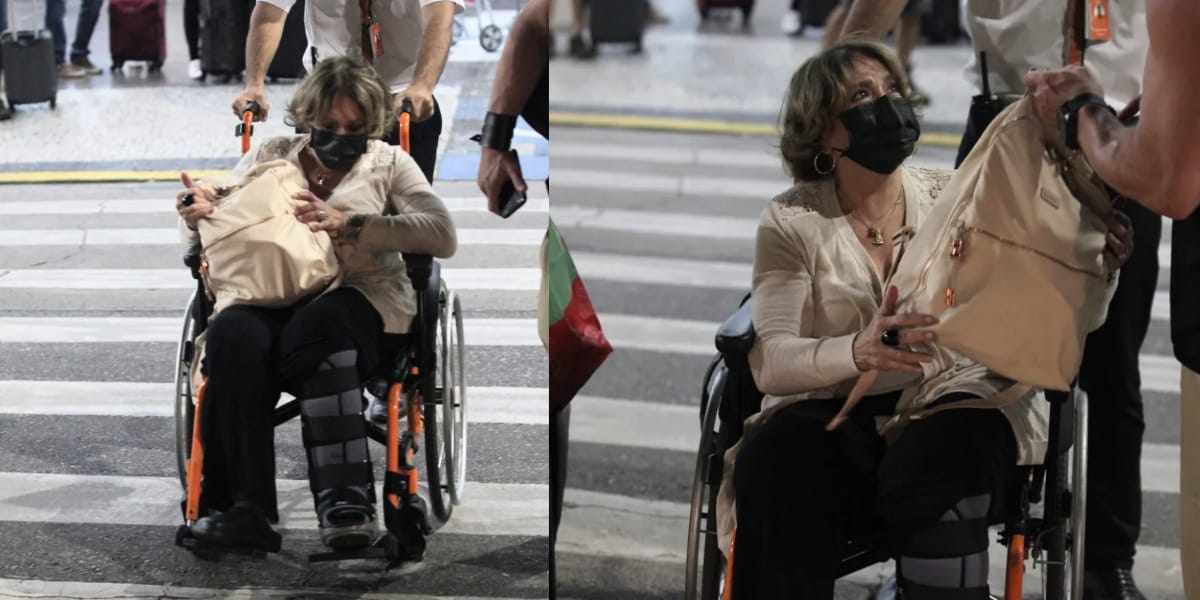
(1110,584)
(6,112)
(580,48)
(347,519)
(242,526)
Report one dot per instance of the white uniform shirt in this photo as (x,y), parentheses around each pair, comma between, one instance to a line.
(1019,34)
(334,28)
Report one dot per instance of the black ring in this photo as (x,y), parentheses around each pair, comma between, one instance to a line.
(188,199)
(890,337)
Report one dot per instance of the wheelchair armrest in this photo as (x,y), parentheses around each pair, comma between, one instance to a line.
(419,267)
(191,260)
(735,337)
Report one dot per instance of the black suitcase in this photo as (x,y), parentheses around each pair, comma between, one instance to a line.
(30,75)
(814,13)
(289,57)
(706,7)
(223,28)
(617,22)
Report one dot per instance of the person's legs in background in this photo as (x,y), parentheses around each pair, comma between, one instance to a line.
(5,110)
(1189,480)
(55,13)
(1110,376)
(560,424)
(89,13)
(908,33)
(191,30)
(579,47)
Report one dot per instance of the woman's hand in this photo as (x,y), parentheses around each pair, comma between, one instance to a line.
(1119,241)
(870,353)
(198,207)
(320,216)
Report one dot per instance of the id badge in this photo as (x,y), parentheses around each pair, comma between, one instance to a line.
(1097,22)
(376,39)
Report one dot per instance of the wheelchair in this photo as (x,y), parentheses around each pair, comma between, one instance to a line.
(424,388)
(1053,539)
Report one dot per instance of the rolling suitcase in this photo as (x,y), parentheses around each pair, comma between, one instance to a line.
(289,57)
(137,32)
(224,25)
(618,22)
(814,13)
(706,7)
(27,51)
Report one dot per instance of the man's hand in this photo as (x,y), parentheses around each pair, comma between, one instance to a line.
(422,100)
(495,168)
(256,93)
(1052,89)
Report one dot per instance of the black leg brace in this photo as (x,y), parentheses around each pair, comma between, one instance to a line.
(335,434)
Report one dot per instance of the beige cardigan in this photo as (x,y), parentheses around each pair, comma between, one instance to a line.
(406,216)
(815,287)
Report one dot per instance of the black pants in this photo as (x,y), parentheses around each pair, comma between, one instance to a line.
(1111,377)
(252,354)
(802,492)
(423,140)
(191,27)
(559,430)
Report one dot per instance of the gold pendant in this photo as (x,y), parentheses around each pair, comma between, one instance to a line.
(875,235)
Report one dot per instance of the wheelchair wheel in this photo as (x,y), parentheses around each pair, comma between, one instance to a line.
(453,395)
(705,562)
(1065,540)
(184,408)
(437,429)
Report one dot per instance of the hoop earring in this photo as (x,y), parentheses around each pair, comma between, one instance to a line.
(828,158)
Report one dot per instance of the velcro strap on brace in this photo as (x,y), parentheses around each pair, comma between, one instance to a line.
(319,431)
(326,477)
(329,382)
(946,539)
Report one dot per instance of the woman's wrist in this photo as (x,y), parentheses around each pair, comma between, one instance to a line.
(354,226)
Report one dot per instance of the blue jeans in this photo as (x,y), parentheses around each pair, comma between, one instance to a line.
(89,12)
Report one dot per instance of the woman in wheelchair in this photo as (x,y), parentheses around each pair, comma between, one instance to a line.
(375,203)
(823,314)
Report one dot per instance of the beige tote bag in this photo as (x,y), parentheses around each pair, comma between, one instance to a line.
(255,251)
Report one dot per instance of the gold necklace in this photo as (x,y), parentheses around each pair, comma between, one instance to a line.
(875,234)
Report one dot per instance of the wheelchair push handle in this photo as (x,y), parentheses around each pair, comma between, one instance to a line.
(406,112)
(245,129)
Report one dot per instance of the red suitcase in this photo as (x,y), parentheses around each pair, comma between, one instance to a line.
(137,31)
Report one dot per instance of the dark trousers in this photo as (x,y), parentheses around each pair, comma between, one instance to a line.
(252,355)
(802,492)
(423,140)
(559,443)
(191,27)
(89,13)
(1110,376)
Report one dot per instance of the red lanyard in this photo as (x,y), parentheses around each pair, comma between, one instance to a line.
(372,38)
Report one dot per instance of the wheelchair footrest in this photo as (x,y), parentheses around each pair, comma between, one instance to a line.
(377,550)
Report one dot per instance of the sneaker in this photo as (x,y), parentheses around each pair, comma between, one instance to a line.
(195,71)
(656,17)
(86,64)
(70,71)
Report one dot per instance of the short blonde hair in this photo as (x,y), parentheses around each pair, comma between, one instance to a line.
(346,76)
(818,93)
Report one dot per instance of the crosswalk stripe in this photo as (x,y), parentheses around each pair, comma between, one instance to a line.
(513,405)
(597,524)
(170,236)
(669,155)
(487,508)
(478,332)
(167,206)
(678,336)
(176,279)
(761,188)
(657,223)
(82,590)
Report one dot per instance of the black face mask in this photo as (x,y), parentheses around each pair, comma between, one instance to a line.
(337,151)
(882,133)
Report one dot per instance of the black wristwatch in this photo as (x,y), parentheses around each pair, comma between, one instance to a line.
(1068,117)
(354,225)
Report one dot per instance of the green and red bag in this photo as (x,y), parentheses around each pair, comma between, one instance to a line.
(568,323)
